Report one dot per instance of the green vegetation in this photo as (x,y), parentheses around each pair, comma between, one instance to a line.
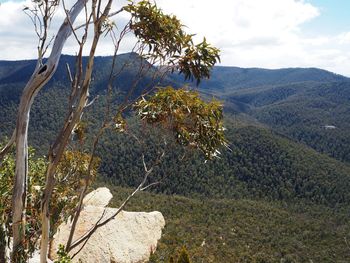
(262,164)
(62,255)
(244,230)
(36,181)
(304,116)
(280,195)
(300,111)
(193,122)
(183,256)
(296,103)
(69,174)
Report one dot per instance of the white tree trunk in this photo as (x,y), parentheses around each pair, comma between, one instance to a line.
(42,74)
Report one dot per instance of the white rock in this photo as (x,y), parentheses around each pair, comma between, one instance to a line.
(128,238)
(100,197)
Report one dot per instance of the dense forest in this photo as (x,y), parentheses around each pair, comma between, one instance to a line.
(260,164)
(283,183)
(246,231)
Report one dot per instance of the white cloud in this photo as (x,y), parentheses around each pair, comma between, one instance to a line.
(19,40)
(14,33)
(241,19)
(250,33)
(344,38)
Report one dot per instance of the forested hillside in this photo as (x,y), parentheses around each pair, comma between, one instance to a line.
(298,103)
(261,164)
(246,231)
(283,183)
(303,112)
(227,79)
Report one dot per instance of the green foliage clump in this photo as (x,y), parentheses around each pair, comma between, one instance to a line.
(37,168)
(71,169)
(160,31)
(183,256)
(153,258)
(198,61)
(166,40)
(63,256)
(193,121)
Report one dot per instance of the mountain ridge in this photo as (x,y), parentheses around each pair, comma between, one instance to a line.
(292,111)
(294,74)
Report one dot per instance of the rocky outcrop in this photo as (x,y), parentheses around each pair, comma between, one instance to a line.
(100,197)
(128,238)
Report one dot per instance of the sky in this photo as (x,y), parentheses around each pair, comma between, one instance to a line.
(250,33)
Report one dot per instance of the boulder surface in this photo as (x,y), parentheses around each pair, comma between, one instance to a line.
(130,237)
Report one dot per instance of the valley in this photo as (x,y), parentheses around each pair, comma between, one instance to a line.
(279,194)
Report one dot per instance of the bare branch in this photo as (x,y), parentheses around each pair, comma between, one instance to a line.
(140,187)
(69,73)
(7,147)
(144,163)
(98,221)
(150,185)
(70,22)
(92,101)
(90,22)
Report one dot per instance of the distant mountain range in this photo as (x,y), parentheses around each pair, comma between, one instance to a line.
(276,122)
(297,103)
(227,79)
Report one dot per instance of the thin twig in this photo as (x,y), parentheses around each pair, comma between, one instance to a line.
(7,147)
(140,187)
(90,22)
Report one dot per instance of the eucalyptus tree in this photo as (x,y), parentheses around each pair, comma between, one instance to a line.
(164,45)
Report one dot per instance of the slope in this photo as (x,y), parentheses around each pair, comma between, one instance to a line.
(262,164)
(245,230)
(226,79)
(303,112)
